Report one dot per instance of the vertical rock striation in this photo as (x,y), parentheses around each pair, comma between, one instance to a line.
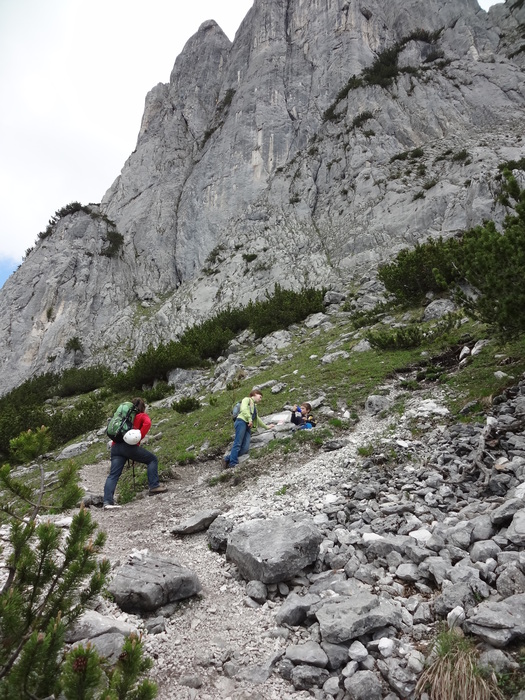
(326,137)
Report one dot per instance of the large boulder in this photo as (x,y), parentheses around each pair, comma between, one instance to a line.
(150,582)
(273,550)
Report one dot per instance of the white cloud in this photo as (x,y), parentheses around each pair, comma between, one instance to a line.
(485,4)
(73,78)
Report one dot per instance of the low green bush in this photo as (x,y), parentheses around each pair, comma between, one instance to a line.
(68,424)
(210,339)
(157,392)
(81,380)
(74,344)
(188,404)
(114,242)
(283,308)
(30,444)
(396,338)
(428,267)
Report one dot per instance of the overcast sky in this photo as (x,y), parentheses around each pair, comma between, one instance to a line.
(73,78)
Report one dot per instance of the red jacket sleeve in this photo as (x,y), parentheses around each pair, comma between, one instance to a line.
(142,422)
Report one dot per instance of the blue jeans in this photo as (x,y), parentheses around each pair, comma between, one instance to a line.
(241,442)
(120,452)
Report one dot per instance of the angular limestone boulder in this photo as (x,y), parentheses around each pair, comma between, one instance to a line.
(147,583)
(274,550)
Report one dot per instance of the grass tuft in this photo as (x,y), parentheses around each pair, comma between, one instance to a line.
(454,673)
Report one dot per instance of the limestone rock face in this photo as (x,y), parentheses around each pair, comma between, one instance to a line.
(285,156)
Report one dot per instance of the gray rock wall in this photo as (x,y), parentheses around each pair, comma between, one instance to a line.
(254,149)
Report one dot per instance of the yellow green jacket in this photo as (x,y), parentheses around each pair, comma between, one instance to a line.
(249,413)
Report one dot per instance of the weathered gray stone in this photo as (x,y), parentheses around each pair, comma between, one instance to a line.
(376,404)
(337,655)
(401,680)
(516,530)
(497,660)
(273,550)
(332,686)
(505,512)
(74,450)
(152,582)
(453,596)
(92,624)
(364,685)
(483,550)
(498,622)
(197,523)
(257,591)
(408,572)
(510,581)
(294,609)
(274,341)
(357,651)
(350,617)
(334,356)
(332,297)
(108,646)
(308,653)
(218,532)
(305,677)
(438,308)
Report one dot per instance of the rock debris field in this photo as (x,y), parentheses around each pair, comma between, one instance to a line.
(417,532)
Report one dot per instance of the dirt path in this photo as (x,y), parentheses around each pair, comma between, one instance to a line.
(223,624)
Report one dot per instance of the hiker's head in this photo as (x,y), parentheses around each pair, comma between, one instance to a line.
(306,407)
(256,395)
(139,404)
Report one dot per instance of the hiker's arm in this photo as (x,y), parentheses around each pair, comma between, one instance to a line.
(142,422)
(262,425)
(296,419)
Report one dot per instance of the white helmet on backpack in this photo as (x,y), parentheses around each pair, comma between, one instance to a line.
(133,437)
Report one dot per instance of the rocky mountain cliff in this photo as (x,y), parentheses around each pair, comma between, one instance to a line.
(327,136)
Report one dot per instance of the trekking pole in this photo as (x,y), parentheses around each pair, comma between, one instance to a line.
(131,463)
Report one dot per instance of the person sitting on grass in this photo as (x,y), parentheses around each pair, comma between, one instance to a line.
(302,416)
(244,423)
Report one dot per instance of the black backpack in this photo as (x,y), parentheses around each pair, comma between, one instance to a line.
(122,421)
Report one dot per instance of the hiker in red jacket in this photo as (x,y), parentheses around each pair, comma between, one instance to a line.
(122,451)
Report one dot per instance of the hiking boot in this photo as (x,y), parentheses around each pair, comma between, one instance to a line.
(158,489)
(111,506)
(225,463)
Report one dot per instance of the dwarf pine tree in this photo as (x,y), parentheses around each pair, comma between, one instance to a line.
(494,264)
(50,580)
(84,679)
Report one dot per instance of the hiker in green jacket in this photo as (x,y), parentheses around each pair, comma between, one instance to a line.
(245,421)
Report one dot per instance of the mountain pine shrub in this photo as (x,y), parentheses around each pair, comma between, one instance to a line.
(490,261)
(429,267)
(114,242)
(209,340)
(74,344)
(30,444)
(187,404)
(396,338)
(51,578)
